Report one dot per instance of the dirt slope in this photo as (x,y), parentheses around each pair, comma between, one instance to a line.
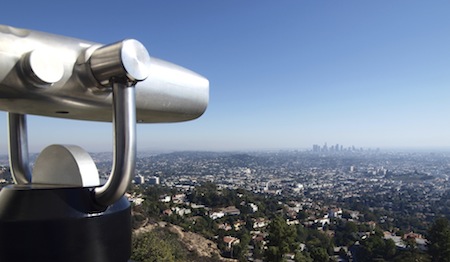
(193,242)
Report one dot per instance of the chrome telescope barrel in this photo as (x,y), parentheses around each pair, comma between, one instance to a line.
(50,75)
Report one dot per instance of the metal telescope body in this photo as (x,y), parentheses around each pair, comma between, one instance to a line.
(60,202)
(50,75)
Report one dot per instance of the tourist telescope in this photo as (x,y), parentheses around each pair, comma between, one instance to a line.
(59,211)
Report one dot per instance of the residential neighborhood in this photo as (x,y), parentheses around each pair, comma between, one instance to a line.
(321,204)
(397,195)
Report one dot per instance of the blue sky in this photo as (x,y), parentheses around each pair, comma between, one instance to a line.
(283,74)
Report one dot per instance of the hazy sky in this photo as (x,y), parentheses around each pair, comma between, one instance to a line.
(283,74)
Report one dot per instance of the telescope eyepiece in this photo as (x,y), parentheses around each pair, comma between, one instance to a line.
(126,61)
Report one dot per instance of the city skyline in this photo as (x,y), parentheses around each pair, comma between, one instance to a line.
(283,75)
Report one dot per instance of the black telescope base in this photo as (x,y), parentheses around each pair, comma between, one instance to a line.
(39,223)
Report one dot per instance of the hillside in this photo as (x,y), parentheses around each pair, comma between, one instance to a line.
(182,245)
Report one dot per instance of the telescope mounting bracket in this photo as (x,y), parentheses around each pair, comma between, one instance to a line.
(120,66)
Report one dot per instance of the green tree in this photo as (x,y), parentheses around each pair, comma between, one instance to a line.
(274,254)
(148,247)
(439,240)
(318,239)
(412,255)
(389,248)
(303,257)
(242,248)
(281,239)
(319,254)
(345,233)
(162,245)
(375,248)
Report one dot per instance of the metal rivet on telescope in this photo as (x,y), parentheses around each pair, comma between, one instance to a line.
(42,67)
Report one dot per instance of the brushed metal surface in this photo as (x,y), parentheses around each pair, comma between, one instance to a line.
(65,165)
(126,61)
(18,148)
(124,159)
(170,93)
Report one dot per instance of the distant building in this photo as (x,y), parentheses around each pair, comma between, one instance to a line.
(197,206)
(421,242)
(230,241)
(182,211)
(153,180)
(238,224)
(225,226)
(316,148)
(372,224)
(397,240)
(260,223)
(139,179)
(335,212)
(216,215)
(298,187)
(254,207)
(136,200)
(179,198)
(231,211)
(167,212)
(165,199)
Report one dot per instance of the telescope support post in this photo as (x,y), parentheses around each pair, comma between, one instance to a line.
(124,123)
(18,148)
